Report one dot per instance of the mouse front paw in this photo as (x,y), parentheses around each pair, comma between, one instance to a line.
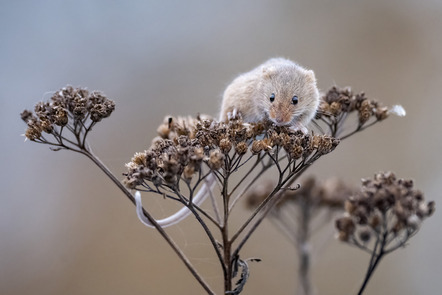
(233,115)
(299,127)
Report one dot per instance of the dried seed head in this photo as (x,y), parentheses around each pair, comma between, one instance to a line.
(139,159)
(216,159)
(185,144)
(346,224)
(338,103)
(335,108)
(188,172)
(27,116)
(76,107)
(387,206)
(241,148)
(225,145)
(33,132)
(381,113)
(257,146)
(297,152)
(365,235)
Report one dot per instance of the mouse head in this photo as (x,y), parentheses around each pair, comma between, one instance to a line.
(290,94)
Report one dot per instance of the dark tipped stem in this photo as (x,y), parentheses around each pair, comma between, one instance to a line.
(370,272)
(375,258)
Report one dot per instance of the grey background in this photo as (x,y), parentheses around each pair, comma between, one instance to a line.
(66,229)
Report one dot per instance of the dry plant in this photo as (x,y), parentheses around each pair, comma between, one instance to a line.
(301,214)
(189,151)
(382,217)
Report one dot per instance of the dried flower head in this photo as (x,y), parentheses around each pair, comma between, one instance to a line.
(74,109)
(386,207)
(331,193)
(187,144)
(338,103)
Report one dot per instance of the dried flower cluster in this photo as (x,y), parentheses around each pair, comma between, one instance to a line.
(382,217)
(301,212)
(185,144)
(69,108)
(338,103)
(386,208)
(330,194)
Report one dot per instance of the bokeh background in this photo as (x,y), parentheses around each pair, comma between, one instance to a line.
(66,229)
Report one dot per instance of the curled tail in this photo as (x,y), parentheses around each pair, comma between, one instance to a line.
(198,199)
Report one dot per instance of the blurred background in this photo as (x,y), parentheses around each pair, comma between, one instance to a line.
(66,229)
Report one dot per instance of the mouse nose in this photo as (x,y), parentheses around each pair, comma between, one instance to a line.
(279,120)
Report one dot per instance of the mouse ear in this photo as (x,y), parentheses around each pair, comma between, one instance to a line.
(268,72)
(310,77)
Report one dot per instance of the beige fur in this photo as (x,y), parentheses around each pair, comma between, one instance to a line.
(249,94)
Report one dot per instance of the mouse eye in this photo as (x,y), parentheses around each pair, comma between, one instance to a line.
(272,97)
(295,100)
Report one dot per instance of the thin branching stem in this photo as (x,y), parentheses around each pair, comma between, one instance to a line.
(168,239)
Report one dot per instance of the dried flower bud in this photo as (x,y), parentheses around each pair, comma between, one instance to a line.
(350,206)
(381,113)
(297,152)
(241,148)
(188,172)
(139,159)
(225,145)
(326,145)
(46,125)
(365,235)
(375,221)
(216,159)
(413,222)
(163,130)
(345,224)
(27,116)
(335,108)
(61,116)
(33,132)
(316,141)
(344,236)
(431,208)
(131,183)
(197,155)
(257,146)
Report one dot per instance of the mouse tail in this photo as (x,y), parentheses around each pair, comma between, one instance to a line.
(180,215)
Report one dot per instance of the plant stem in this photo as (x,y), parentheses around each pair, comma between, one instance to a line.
(227,244)
(370,272)
(376,257)
(303,247)
(168,239)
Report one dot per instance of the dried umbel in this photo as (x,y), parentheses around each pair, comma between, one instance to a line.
(385,206)
(330,194)
(338,103)
(74,109)
(382,217)
(185,144)
(301,212)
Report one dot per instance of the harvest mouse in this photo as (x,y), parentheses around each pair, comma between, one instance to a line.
(278,90)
